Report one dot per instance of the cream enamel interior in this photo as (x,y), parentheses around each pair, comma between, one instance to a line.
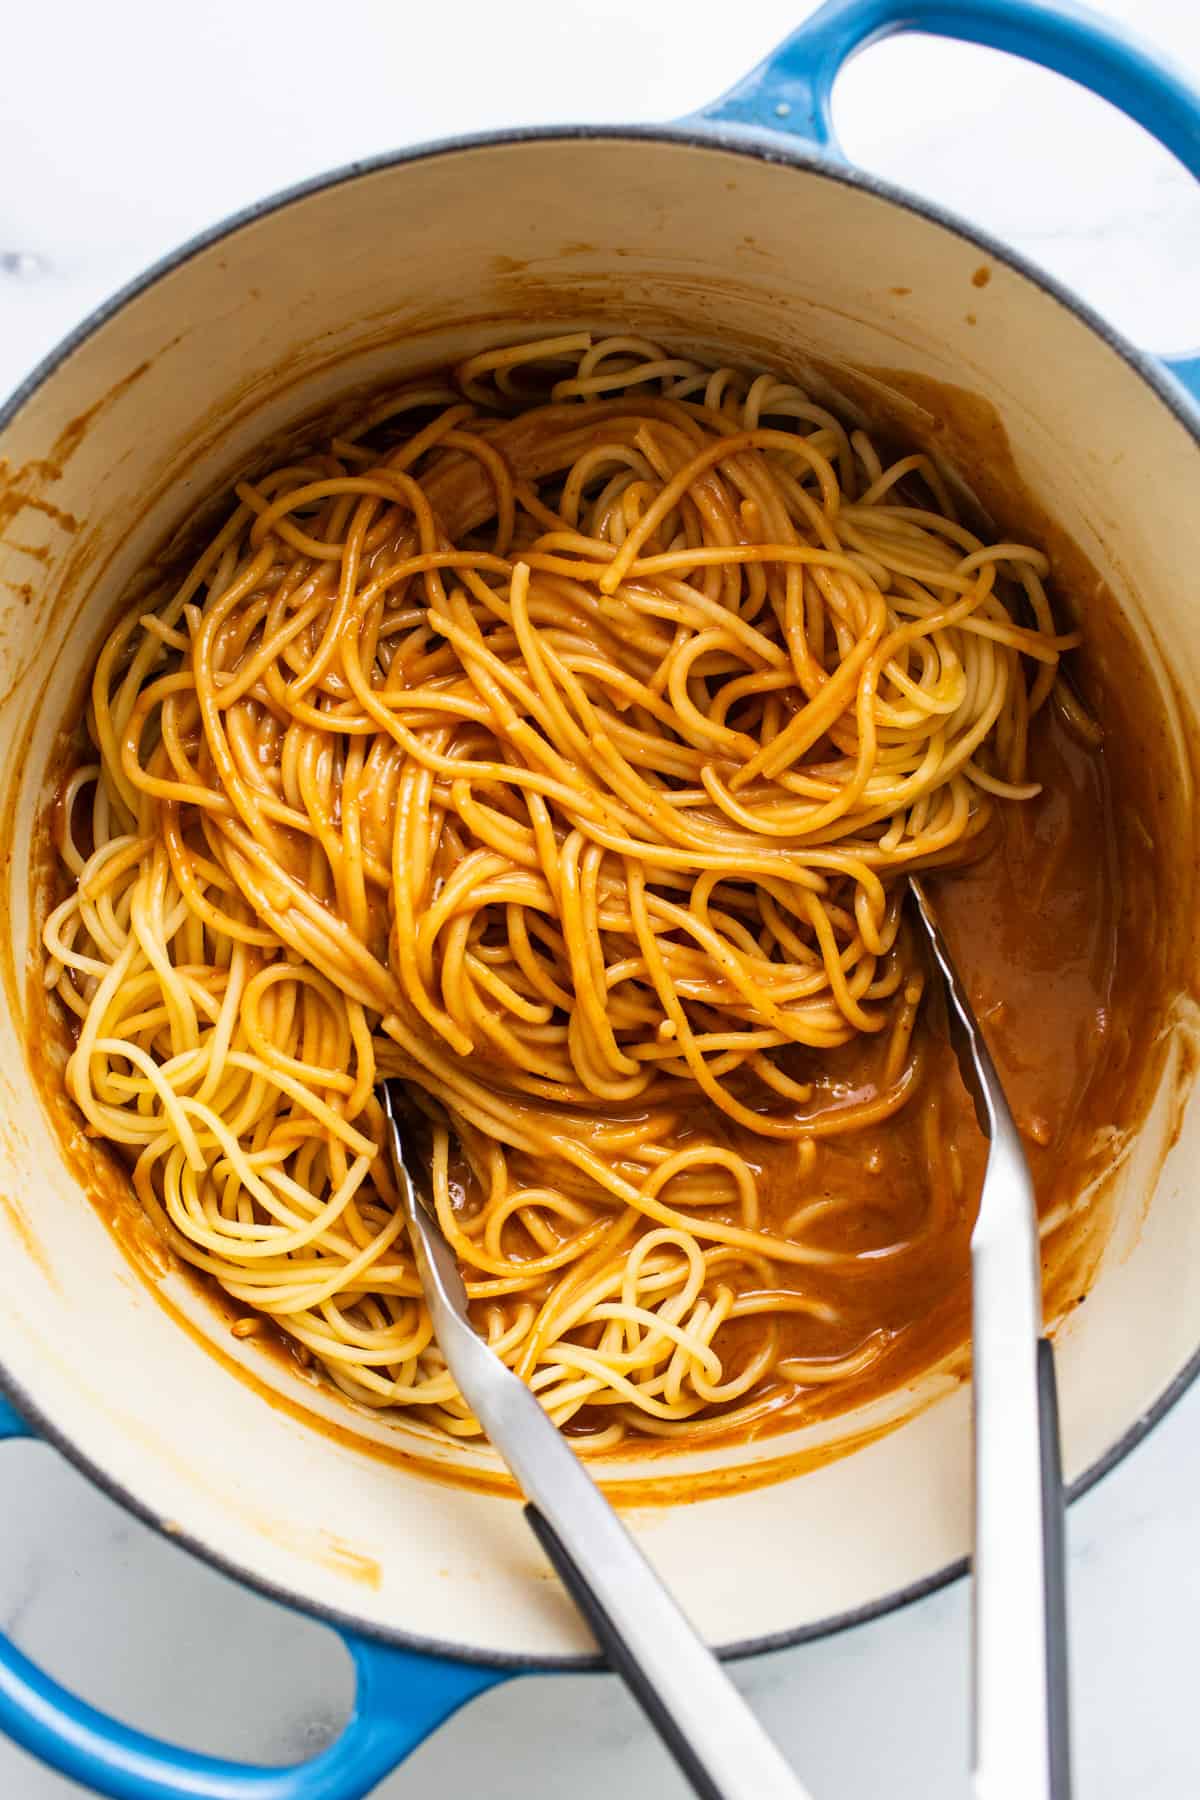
(386,272)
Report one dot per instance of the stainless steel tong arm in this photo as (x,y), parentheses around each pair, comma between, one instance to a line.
(705,1723)
(1021,1736)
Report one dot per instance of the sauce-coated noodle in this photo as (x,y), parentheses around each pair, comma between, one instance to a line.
(554,739)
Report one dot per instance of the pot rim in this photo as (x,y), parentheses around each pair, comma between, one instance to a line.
(761,146)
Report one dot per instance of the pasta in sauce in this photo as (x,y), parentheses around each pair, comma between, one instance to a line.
(557,737)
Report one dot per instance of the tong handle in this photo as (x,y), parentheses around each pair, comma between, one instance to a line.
(622,1658)
(1054,1539)
(705,1743)
(1021,1715)
(687,1696)
(703,1720)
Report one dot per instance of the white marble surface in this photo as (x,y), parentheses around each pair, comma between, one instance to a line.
(128,126)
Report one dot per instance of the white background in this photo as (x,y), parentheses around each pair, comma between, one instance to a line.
(125,127)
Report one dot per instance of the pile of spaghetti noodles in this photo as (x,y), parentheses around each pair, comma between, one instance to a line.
(555,739)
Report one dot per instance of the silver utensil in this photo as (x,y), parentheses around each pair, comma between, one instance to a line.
(1021,1747)
(699,1714)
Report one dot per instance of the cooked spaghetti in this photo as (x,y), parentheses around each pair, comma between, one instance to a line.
(557,738)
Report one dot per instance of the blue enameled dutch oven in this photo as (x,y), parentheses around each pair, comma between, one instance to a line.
(743,230)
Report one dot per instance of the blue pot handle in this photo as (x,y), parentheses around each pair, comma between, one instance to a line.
(791,91)
(401,1697)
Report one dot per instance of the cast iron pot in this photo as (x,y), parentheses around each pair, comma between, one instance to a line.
(741,228)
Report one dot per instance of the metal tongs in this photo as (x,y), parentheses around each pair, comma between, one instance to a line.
(699,1714)
(1021,1740)
(1021,1747)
